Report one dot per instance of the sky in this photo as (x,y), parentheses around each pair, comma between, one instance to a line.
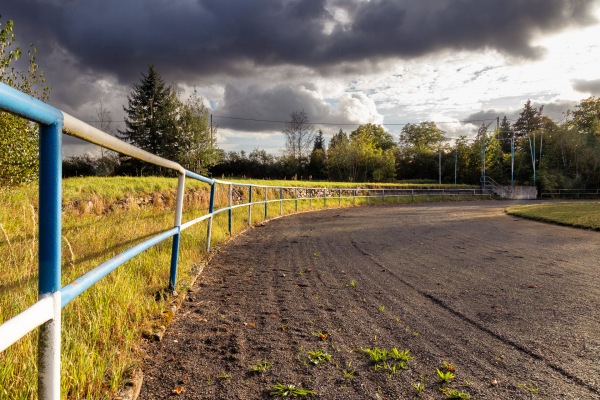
(459,63)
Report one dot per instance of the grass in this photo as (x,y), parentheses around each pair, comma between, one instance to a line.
(584,215)
(101,218)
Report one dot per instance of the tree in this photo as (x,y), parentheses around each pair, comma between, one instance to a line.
(418,152)
(108,160)
(529,123)
(339,160)
(530,120)
(424,136)
(19,139)
(586,116)
(299,136)
(152,120)
(376,134)
(318,158)
(197,139)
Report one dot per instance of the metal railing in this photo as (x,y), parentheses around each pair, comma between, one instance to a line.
(570,193)
(46,312)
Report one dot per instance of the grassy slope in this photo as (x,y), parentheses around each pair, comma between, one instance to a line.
(102,326)
(578,214)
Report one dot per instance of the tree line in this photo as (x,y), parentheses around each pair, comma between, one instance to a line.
(533,150)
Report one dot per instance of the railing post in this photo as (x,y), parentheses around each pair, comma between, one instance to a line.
(324,198)
(266,203)
(230,211)
(310,198)
(368,196)
(353,197)
(339,197)
(177,237)
(280,201)
(250,206)
(211,208)
(383,195)
(49,266)
(296,195)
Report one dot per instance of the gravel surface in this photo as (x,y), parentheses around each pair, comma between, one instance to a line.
(510,305)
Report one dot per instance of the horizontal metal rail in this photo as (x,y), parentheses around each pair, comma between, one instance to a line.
(570,193)
(46,312)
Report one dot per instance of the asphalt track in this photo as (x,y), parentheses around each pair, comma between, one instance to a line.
(513,304)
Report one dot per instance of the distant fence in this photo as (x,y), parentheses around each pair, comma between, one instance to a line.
(46,312)
(570,194)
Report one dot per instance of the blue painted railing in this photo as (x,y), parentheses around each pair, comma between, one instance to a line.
(46,312)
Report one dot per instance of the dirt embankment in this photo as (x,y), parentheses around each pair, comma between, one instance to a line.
(509,306)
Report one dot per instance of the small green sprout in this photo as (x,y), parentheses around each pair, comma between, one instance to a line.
(287,390)
(318,357)
(444,376)
(419,386)
(261,367)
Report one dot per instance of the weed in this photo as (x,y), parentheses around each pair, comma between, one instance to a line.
(389,360)
(455,394)
(403,355)
(352,283)
(224,376)
(381,308)
(261,367)
(283,390)
(318,357)
(448,366)
(444,376)
(419,386)
(323,335)
(316,254)
(415,334)
(530,388)
(349,373)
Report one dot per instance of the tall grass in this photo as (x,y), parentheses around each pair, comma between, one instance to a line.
(101,218)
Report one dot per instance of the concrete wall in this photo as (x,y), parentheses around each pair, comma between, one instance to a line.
(518,192)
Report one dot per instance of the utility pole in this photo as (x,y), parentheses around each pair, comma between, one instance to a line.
(211,133)
(455,162)
(440,164)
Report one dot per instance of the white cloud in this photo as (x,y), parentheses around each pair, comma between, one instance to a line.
(358,107)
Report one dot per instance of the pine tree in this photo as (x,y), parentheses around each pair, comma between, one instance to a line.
(152,120)
(530,120)
(317,166)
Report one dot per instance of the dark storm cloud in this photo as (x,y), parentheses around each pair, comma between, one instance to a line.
(484,116)
(187,38)
(592,87)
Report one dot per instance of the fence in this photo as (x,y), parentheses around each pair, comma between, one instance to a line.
(46,312)
(570,194)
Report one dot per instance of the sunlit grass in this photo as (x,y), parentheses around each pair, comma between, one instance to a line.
(579,214)
(101,218)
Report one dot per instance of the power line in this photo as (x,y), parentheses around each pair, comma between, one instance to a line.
(351,124)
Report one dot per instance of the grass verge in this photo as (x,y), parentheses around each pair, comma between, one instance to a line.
(101,218)
(584,215)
